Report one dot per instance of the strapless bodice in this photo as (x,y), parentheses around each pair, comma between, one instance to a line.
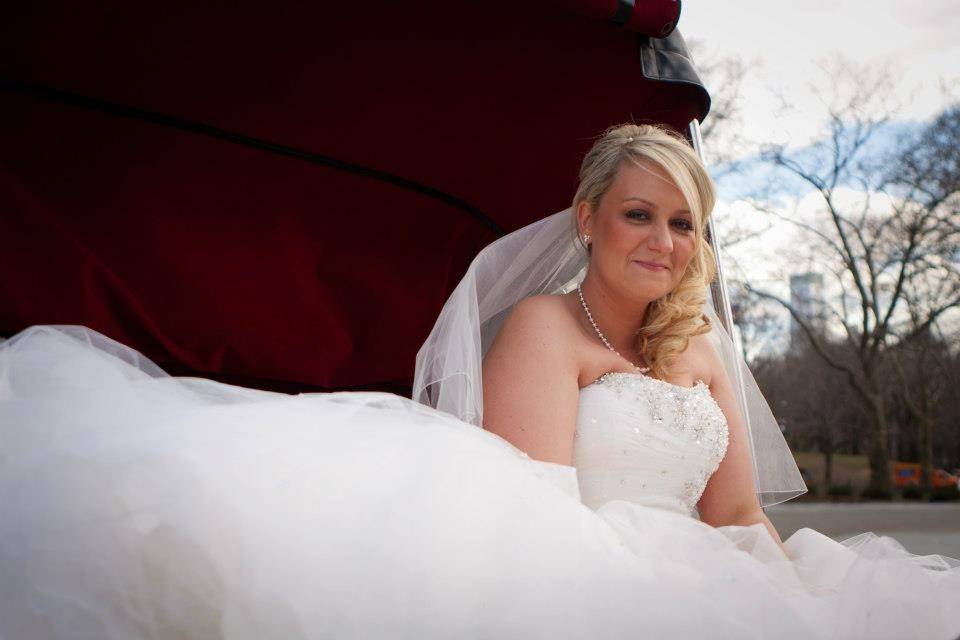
(648,441)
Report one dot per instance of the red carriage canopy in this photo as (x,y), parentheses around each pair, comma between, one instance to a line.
(285,198)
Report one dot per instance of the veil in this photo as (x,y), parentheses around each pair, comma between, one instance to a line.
(544,258)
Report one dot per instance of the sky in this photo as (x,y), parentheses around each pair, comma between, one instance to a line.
(783,41)
(785,44)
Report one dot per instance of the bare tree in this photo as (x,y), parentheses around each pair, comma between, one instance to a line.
(813,404)
(896,263)
(928,180)
(757,323)
(723,75)
(923,371)
(725,146)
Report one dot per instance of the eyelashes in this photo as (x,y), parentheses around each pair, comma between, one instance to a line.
(642,214)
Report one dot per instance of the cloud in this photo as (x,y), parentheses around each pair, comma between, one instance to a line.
(785,41)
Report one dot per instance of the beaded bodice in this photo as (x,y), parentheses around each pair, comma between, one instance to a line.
(645,440)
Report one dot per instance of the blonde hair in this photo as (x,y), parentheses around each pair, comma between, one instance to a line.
(669,321)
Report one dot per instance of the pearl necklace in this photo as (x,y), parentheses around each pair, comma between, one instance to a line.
(603,338)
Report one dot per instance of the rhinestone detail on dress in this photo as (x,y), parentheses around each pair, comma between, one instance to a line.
(690,413)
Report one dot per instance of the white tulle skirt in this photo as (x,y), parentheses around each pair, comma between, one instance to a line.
(138,505)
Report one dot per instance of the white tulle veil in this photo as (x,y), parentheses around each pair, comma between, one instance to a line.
(544,258)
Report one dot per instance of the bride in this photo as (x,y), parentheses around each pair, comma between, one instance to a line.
(640,213)
(614,490)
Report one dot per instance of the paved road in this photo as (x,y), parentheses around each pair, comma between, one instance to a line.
(923,528)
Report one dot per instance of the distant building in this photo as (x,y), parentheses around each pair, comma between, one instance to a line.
(806,296)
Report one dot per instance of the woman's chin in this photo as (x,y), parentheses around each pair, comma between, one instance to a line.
(645,292)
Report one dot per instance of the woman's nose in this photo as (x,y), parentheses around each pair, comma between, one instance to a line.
(660,239)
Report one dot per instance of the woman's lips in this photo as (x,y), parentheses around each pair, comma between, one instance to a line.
(652,266)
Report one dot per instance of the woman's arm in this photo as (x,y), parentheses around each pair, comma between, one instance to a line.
(730,495)
(530,389)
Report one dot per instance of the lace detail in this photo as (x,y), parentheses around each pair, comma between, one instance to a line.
(613,374)
(648,440)
(691,416)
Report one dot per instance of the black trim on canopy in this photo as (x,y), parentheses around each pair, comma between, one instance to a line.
(153,117)
(668,60)
(623,12)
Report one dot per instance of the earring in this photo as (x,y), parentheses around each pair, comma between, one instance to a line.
(586,238)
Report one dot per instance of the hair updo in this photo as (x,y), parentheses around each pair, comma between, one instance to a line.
(669,321)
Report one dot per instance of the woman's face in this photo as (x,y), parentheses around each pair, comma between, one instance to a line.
(641,233)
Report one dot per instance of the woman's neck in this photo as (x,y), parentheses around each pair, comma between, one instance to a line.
(618,318)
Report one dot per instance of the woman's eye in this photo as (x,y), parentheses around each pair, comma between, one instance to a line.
(642,214)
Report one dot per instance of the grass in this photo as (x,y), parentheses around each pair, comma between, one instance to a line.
(847,469)
(851,477)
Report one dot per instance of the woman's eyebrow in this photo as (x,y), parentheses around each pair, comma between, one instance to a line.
(652,205)
(644,201)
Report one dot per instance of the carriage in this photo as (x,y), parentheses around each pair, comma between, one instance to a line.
(284,197)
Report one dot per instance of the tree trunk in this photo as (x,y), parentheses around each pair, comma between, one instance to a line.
(826,447)
(926,454)
(828,467)
(879,447)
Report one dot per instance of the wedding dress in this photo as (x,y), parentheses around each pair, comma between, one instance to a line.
(134,504)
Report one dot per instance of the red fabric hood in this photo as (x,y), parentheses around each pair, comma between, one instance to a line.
(284,199)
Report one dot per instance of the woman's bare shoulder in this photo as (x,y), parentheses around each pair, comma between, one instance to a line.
(544,310)
(530,381)
(539,325)
(703,357)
